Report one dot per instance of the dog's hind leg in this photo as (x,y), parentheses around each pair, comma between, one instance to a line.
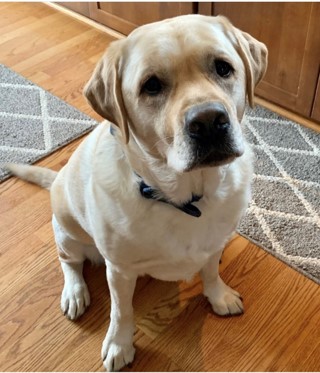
(75,296)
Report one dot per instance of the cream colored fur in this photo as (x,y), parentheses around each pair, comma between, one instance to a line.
(98,211)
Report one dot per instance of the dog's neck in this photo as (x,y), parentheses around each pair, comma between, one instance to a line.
(177,188)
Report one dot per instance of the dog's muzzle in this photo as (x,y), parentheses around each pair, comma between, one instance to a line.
(210,135)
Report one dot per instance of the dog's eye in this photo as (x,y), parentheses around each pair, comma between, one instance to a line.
(152,86)
(223,68)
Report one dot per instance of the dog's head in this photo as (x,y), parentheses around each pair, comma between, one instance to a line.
(179,87)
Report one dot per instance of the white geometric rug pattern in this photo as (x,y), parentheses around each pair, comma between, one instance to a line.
(284,214)
(33,122)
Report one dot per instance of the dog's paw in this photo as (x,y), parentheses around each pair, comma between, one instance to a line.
(75,299)
(115,356)
(224,300)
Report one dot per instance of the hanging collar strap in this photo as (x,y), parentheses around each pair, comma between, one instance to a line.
(150,193)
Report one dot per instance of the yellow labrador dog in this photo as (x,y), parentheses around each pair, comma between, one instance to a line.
(159,187)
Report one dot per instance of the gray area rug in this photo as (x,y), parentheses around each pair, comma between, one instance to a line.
(283,217)
(33,122)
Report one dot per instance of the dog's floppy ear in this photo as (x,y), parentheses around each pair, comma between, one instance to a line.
(254,55)
(103,91)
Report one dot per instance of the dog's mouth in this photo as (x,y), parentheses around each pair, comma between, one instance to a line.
(213,156)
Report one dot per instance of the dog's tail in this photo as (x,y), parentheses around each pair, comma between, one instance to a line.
(34,174)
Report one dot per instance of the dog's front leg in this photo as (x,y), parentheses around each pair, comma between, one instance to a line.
(117,348)
(224,300)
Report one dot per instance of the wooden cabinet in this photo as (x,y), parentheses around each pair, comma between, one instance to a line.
(291,32)
(125,17)
(81,8)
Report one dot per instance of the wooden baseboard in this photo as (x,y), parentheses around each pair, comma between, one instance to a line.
(86,20)
(288,114)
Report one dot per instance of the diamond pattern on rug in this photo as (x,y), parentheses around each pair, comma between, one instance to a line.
(284,137)
(23,101)
(300,166)
(33,122)
(263,193)
(20,138)
(283,216)
(265,165)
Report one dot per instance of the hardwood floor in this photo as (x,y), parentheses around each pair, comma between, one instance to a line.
(176,330)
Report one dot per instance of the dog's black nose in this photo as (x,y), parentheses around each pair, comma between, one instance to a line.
(205,121)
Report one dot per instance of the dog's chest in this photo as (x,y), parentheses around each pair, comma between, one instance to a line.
(163,241)
(155,238)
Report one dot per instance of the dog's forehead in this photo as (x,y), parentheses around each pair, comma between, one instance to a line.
(177,37)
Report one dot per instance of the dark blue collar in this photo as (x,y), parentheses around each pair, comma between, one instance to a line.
(150,193)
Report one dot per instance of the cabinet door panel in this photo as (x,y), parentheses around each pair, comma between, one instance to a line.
(125,17)
(81,8)
(291,32)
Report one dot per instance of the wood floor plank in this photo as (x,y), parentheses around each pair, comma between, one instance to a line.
(176,329)
(251,342)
